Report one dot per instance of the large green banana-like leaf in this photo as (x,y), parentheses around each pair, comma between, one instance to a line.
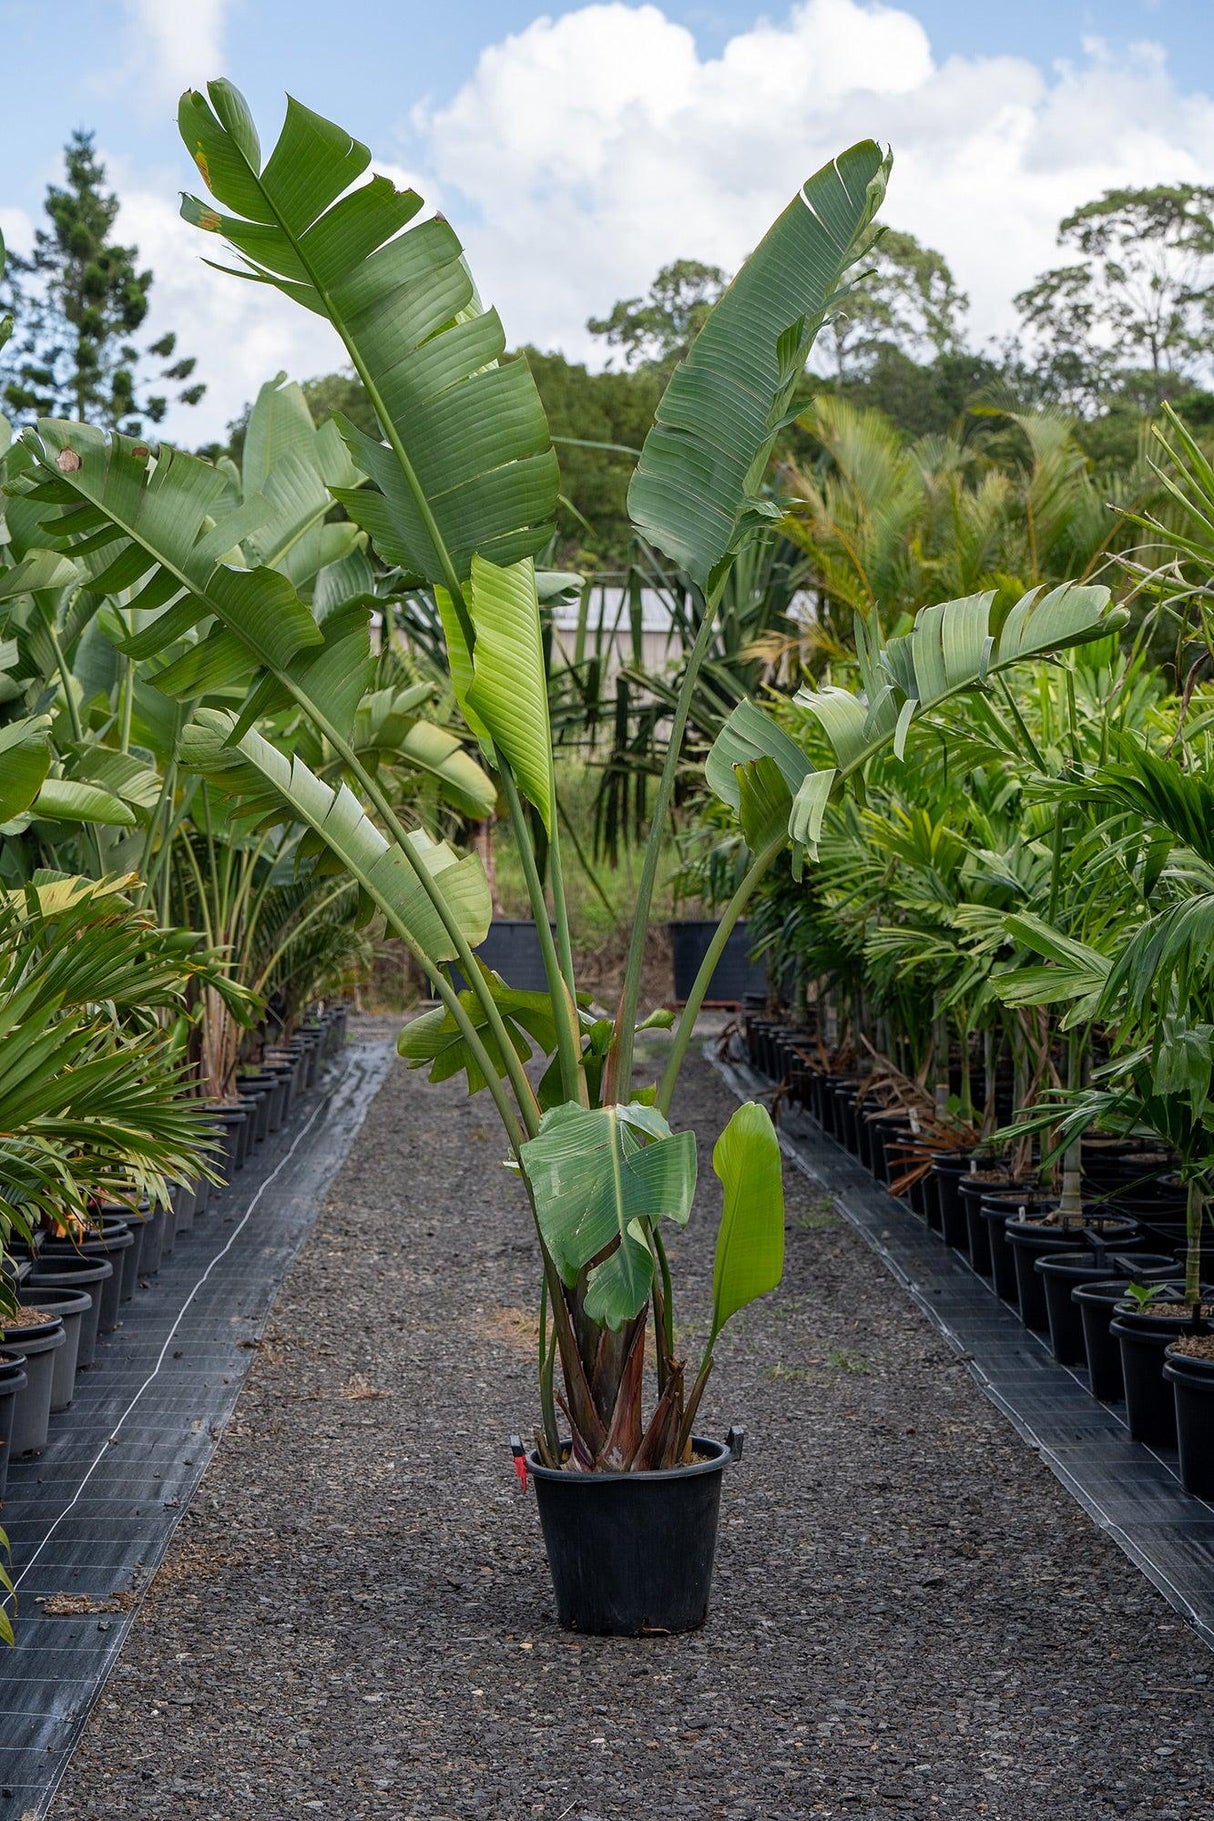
(268,788)
(468,465)
(169,531)
(293,465)
(750,1241)
(703,461)
(508,695)
(25,759)
(435,1038)
(950,648)
(70,800)
(604,1177)
(388,732)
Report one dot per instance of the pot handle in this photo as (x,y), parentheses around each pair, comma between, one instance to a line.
(735,1440)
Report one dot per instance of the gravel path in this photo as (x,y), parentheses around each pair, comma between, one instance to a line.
(910,1617)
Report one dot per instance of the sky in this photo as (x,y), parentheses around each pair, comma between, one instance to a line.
(578,149)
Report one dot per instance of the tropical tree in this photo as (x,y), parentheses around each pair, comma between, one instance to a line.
(460,493)
(656,330)
(81,298)
(1139,297)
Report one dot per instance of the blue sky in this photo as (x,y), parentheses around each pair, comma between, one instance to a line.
(579,147)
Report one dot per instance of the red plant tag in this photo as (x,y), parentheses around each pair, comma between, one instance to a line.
(520,1460)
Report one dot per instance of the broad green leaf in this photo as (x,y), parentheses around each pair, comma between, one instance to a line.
(171,516)
(949,649)
(703,461)
(25,759)
(602,1178)
(509,691)
(435,1038)
(764,803)
(750,1242)
(68,800)
(750,734)
(808,811)
(467,465)
(269,788)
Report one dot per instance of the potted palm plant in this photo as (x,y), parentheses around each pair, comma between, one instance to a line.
(459,494)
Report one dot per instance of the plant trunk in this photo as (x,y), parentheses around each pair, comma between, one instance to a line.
(1195,1208)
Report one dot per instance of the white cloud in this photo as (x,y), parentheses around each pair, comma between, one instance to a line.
(594,148)
(17,230)
(241,333)
(586,152)
(171,45)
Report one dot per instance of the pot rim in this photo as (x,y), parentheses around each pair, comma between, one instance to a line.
(723,1456)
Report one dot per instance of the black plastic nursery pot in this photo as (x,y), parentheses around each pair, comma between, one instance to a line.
(948,1169)
(996,1209)
(12,1381)
(76,1274)
(257,1092)
(512,949)
(1192,1382)
(185,1201)
(733,978)
(1031,1240)
(71,1306)
(1097,1304)
(1144,1338)
(632,1553)
(151,1252)
(971,1192)
(113,1243)
(38,1345)
(1061,1272)
(229,1123)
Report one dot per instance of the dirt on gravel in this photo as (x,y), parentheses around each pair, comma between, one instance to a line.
(910,1617)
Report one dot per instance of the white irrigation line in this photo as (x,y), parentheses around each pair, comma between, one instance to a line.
(153,1374)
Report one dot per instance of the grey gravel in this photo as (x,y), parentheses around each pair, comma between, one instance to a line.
(910,1618)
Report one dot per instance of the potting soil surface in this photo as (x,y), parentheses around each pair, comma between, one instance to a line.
(89,1519)
(910,1615)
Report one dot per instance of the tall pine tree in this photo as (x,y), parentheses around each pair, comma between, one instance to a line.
(77,303)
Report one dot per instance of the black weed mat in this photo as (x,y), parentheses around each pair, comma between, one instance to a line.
(1133,1492)
(90,1519)
(910,1617)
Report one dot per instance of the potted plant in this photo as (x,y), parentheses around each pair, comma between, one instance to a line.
(460,495)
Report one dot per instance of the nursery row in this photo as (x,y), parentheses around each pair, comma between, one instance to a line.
(70,1288)
(1104,1284)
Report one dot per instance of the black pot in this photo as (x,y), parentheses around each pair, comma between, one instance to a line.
(1144,1339)
(32,1404)
(889,1135)
(229,1125)
(948,1168)
(1030,1241)
(117,1217)
(632,1552)
(257,1092)
(996,1209)
(1061,1272)
(185,1203)
(12,1381)
(1192,1382)
(971,1193)
(152,1251)
(734,976)
(74,1273)
(72,1305)
(113,1244)
(511,949)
